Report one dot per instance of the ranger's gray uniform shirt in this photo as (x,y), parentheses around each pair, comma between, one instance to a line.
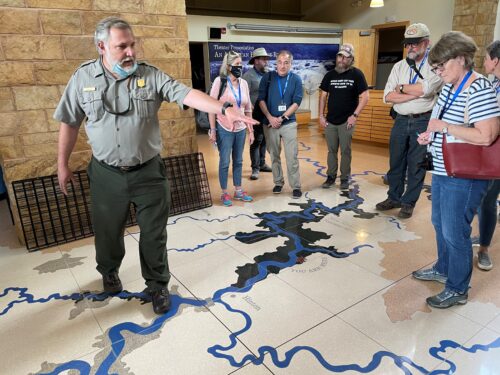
(126,139)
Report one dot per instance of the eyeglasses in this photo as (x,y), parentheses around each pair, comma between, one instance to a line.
(413,44)
(438,68)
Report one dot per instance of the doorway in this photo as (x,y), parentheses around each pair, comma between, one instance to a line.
(197,66)
(390,50)
(389,53)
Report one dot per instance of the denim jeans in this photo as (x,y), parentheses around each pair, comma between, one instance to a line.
(488,213)
(405,154)
(230,144)
(258,148)
(454,204)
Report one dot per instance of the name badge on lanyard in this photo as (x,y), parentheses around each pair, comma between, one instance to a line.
(282,106)
(236,97)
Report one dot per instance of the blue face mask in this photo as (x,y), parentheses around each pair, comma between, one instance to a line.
(122,73)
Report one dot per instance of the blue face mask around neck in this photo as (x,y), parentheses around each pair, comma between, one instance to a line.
(122,73)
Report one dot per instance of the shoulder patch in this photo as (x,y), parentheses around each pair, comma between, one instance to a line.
(145,63)
(143,66)
(88,62)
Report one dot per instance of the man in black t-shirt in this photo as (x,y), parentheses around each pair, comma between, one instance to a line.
(347,94)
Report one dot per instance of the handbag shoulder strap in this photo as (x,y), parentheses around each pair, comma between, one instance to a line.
(222,87)
(466,109)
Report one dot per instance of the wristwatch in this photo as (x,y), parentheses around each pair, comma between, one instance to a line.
(283,118)
(401,89)
(355,115)
(445,130)
(225,106)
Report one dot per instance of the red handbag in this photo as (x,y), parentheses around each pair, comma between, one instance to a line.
(464,160)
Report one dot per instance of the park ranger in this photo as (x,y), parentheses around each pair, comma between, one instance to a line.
(120,98)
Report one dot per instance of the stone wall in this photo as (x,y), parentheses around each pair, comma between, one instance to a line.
(43,41)
(476,18)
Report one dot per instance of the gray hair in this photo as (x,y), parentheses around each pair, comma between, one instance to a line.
(101,33)
(451,45)
(285,52)
(229,58)
(493,49)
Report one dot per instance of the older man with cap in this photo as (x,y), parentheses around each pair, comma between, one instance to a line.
(253,76)
(347,93)
(412,87)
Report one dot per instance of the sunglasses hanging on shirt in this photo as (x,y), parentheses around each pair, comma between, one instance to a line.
(104,96)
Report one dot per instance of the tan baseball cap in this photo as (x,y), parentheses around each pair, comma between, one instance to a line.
(258,52)
(347,50)
(416,32)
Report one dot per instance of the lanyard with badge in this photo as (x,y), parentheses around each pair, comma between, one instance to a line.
(282,106)
(413,79)
(447,106)
(236,97)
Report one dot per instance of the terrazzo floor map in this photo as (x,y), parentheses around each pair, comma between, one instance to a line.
(251,253)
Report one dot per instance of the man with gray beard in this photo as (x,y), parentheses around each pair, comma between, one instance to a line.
(347,93)
(119,99)
(412,88)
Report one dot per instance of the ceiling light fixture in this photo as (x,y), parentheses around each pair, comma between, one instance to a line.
(376,3)
(283,29)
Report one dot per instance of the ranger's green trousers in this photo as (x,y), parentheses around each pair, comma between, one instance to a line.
(111,192)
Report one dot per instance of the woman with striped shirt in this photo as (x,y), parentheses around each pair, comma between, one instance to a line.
(467,110)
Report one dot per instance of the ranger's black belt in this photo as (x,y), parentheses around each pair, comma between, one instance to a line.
(130,168)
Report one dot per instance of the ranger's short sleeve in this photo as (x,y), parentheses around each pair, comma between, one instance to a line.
(170,89)
(69,109)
